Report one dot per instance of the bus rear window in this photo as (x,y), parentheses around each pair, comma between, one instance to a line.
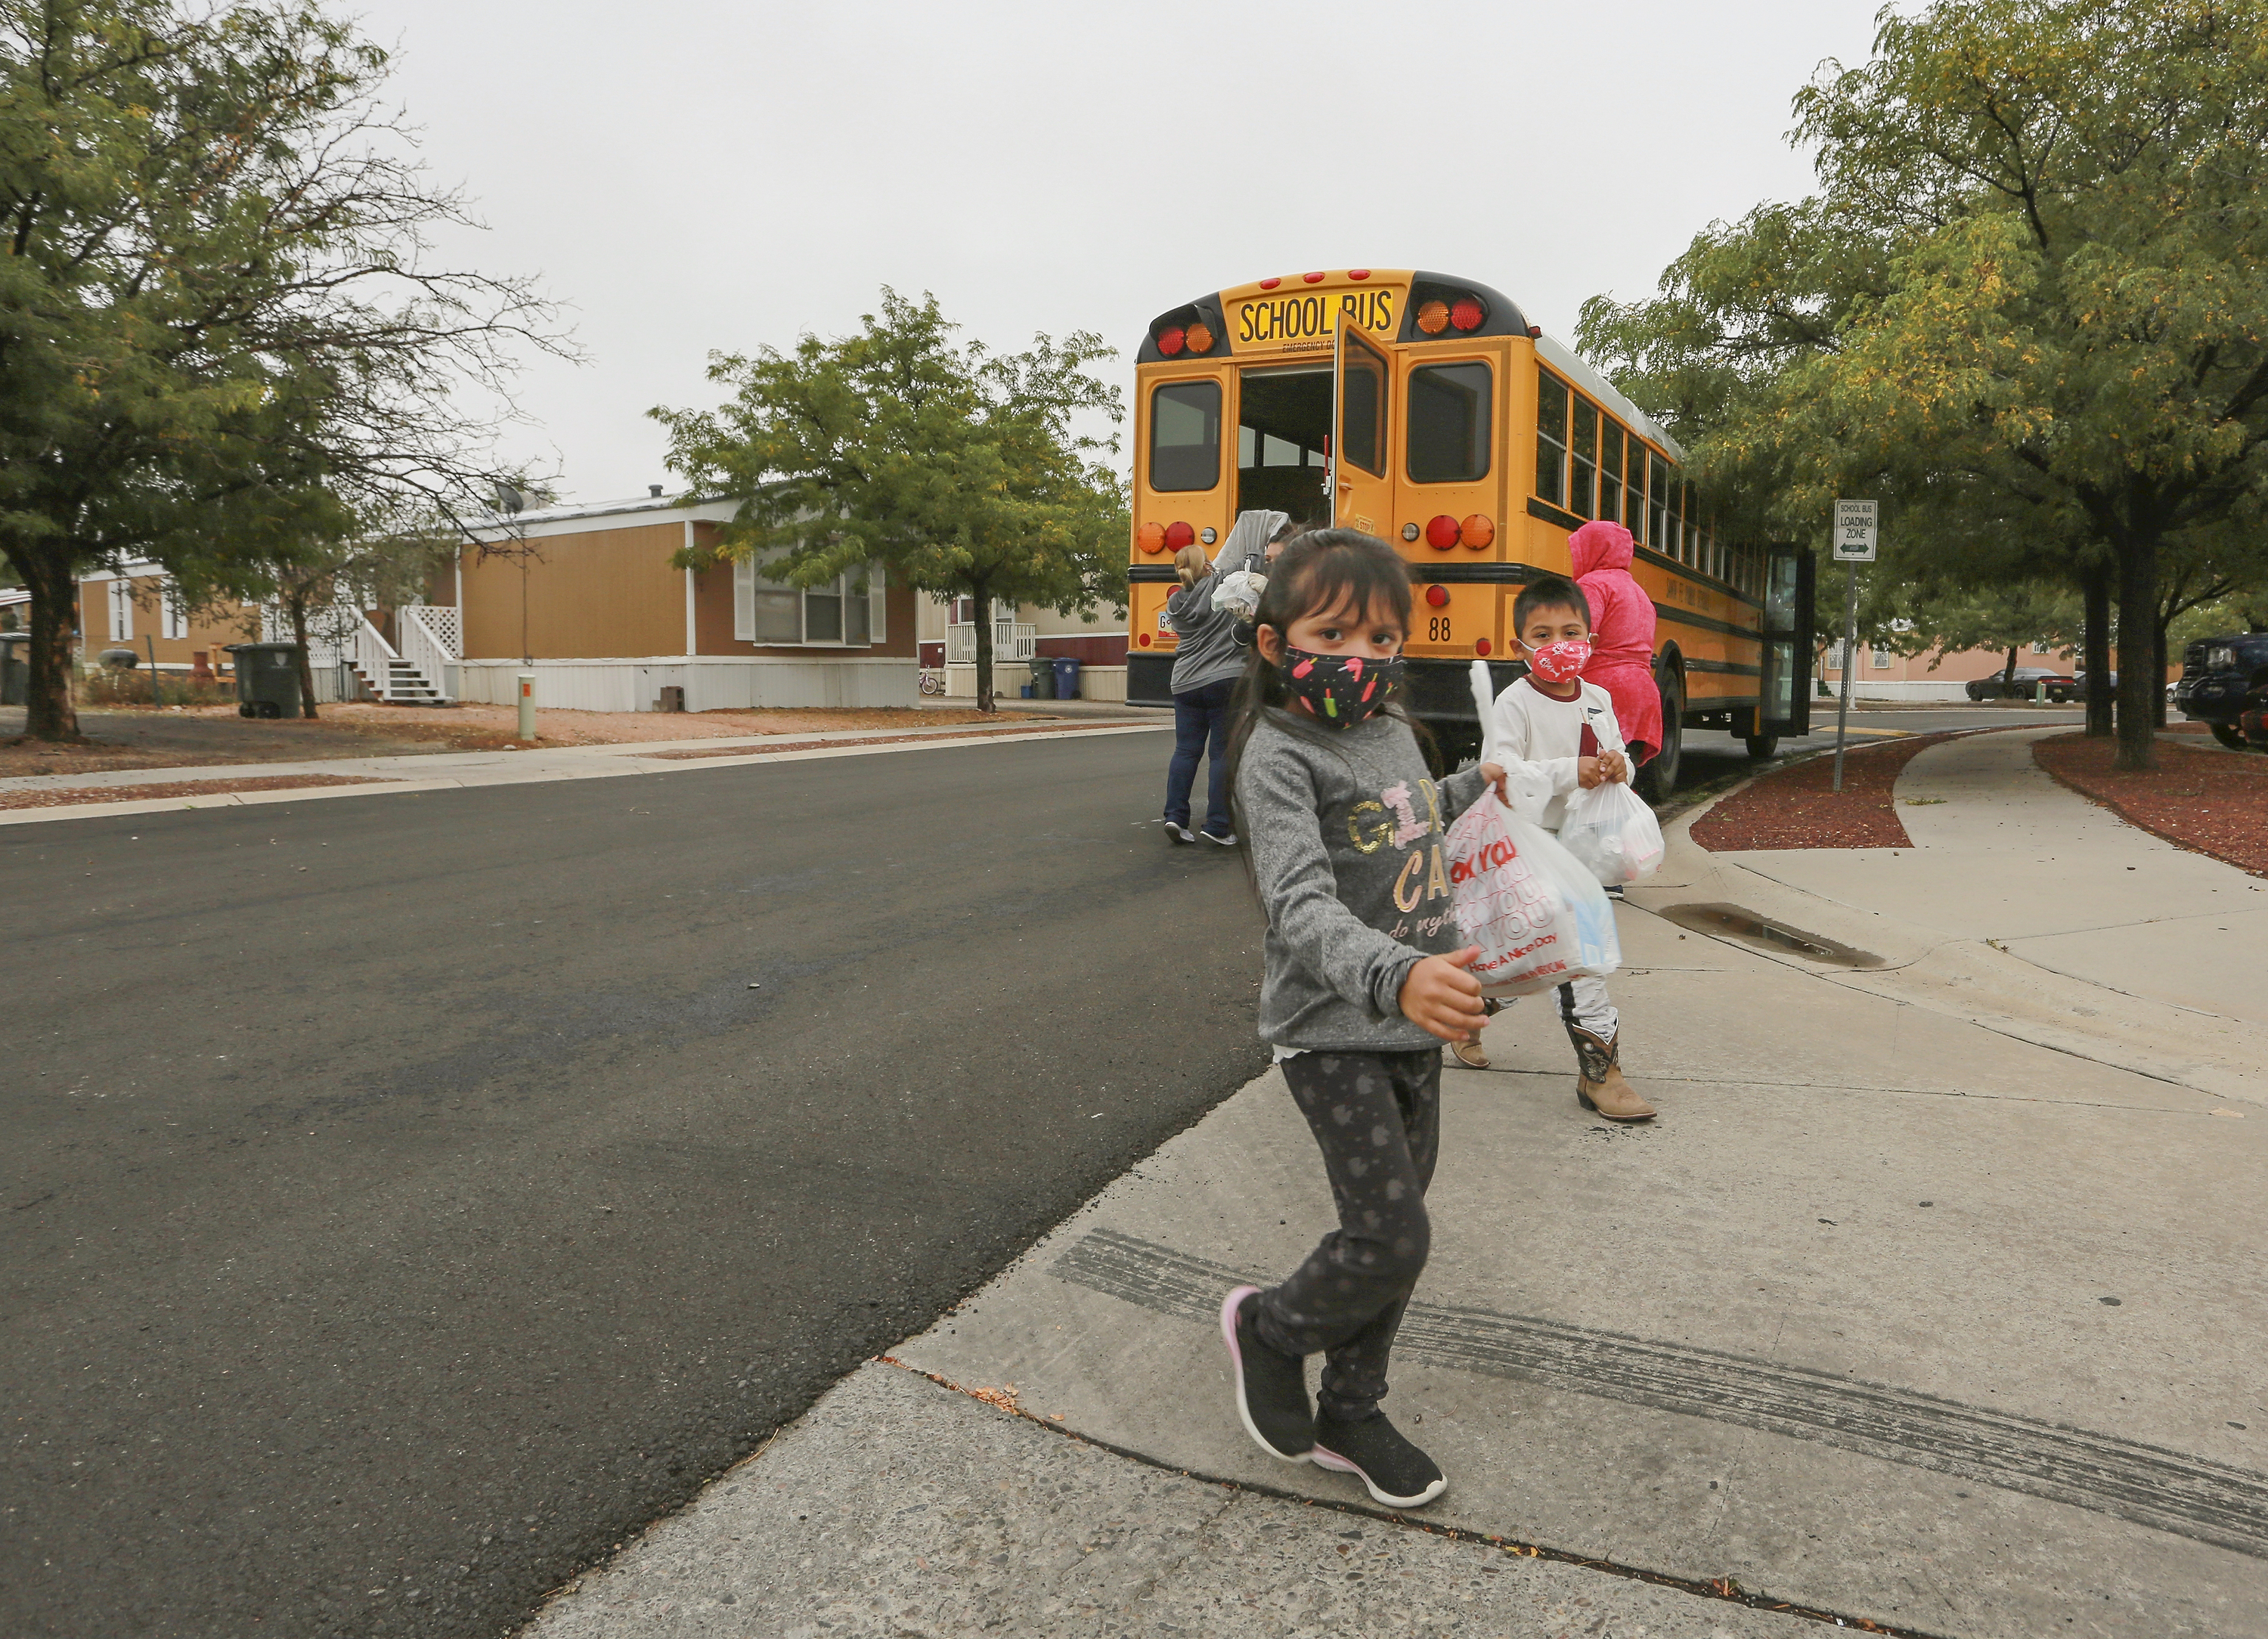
(1449,424)
(1185,436)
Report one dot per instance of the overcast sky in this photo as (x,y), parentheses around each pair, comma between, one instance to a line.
(688,177)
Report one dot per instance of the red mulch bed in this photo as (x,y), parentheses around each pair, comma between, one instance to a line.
(1798,806)
(2209,802)
(70,796)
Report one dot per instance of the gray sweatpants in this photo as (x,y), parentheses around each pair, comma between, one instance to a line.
(1377,1119)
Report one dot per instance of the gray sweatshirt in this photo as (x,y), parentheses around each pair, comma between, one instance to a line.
(1346,830)
(1209,652)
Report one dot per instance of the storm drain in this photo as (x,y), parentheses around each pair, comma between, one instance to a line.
(1735,921)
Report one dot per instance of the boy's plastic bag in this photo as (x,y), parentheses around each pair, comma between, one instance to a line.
(1613,833)
(1539,917)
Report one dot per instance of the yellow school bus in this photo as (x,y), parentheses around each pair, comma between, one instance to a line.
(1424,408)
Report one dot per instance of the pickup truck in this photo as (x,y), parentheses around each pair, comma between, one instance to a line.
(2218,676)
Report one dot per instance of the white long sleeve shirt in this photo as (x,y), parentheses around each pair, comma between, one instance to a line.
(1538,739)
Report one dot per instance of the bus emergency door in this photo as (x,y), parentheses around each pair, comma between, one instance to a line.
(1784,705)
(1361,393)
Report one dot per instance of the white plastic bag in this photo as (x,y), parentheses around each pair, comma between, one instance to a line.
(1538,917)
(1239,593)
(1613,833)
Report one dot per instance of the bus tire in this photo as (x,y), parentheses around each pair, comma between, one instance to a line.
(1761,746)
(1659,778)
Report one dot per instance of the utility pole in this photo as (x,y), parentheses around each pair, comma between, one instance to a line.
(1854,544)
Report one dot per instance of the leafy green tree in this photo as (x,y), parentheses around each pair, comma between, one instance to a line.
(218,301)
(2023,308)
(965,473)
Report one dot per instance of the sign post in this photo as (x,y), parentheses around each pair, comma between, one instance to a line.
(1854,544)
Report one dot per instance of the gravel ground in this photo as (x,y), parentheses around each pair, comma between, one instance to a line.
(1798,807)
(2210,802)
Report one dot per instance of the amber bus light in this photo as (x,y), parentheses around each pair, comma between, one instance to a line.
(1478,531)
(1199,338)
(1434,318)
(1151,537)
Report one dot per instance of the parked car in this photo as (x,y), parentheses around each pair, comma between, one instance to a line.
(2217,675)
(1999,686)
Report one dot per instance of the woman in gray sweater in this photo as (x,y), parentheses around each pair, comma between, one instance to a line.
(1207,661)
(1346,832)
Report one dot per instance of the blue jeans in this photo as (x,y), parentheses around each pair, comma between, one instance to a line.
(1201,729)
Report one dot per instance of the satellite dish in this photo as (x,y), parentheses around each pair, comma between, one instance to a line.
(509,499)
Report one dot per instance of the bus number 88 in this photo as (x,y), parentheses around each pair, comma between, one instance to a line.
(1437,628)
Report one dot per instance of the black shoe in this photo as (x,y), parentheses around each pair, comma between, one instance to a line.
(1393,1472)
(1271,1388)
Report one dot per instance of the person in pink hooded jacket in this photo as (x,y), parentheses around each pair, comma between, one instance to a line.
(1622,633)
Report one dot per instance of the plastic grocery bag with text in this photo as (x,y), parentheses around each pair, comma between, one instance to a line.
(1539,917)
(1613,833)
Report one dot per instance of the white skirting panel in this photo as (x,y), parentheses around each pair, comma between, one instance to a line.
(1106,683)
(1915,688)
(711,682)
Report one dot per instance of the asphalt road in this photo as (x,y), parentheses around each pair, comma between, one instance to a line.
(407,1198)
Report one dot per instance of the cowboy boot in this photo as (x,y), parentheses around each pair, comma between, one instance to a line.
(1599,1083)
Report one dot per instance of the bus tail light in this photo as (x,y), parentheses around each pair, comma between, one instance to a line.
(1438,596)
(1143,638)
(1173,339)
(1179,535)
(1467,313)
(1441,533)
(1482,646)
(1150,538)
(1478,531)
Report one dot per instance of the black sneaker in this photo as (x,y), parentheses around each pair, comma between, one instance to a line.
(1271,1388)
(1391,1469)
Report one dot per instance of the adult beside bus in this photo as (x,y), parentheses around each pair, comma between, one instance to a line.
(1622,633)
(1207,661)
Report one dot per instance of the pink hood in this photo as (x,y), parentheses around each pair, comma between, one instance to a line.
(1598,546)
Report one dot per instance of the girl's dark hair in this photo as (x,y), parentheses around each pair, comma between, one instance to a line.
(1320,570)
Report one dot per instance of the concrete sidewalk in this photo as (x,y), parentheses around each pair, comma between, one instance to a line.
(446,771)
(1938,1313)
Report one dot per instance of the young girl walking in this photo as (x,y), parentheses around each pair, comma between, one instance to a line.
(1345,833)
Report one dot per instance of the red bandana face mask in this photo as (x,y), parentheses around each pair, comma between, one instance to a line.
(1560,663)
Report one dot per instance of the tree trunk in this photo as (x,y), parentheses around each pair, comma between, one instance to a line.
(2094,648)
(2008,672)
(2138,612)
(50,712)
(980,610)
(298,607)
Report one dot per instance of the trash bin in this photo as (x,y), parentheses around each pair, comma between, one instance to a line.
(15,668)
(1066,678)
(1043,679)
(267,678)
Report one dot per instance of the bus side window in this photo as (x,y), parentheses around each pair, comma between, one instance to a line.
(1551,438)
(1185,436)
(1449,423)
(1634,493)
(1610,468)
(1583,490)
(1657,511)
(1362,412)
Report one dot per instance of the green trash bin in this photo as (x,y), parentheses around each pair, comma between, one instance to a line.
(1043,679)
(15,668)
(267,678)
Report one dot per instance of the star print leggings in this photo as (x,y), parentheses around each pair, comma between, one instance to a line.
(1377,1117)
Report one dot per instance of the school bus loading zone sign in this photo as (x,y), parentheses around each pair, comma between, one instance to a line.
(1305,322)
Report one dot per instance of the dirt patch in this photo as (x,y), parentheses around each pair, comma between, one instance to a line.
(2209,802)
(1797,807)
(72,795)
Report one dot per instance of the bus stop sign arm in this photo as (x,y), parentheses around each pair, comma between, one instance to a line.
(1855,535)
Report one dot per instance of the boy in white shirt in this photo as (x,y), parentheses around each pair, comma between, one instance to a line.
(1553,731)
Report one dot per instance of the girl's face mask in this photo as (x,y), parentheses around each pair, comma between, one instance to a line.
(1340,690)
(1561,662)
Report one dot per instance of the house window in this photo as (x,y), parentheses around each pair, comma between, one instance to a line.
(835,613)
(2039,649)
(174,613)
(1881,659)
(121,610)
(1835,656)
